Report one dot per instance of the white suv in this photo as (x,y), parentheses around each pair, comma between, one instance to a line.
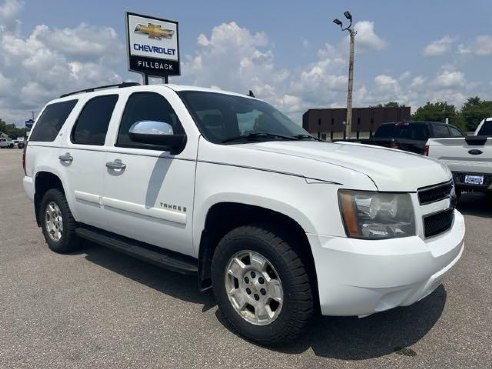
(226,187)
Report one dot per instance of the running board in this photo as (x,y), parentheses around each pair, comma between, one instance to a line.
(163,258)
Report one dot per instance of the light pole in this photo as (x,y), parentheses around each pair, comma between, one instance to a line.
(338,22)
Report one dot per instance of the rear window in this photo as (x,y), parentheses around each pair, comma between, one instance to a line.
(51,121)
(486,129)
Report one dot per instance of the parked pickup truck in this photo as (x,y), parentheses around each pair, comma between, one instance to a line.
(6,143)
(227,188)
(484,128)
(468,158)
(410,136)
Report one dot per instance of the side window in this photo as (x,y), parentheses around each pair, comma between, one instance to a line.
(440,130)
(92,124)
(455,132)
(419,132)
(51,121)
(145,106)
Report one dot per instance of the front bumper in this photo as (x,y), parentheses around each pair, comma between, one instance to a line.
(362,277)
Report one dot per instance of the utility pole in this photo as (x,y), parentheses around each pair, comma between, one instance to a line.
(352,33)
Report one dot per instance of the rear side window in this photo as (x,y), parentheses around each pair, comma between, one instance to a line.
(51,121)
(93,121)
(455,132)
(418,132)
(387,131)
(145,106)
(440,130)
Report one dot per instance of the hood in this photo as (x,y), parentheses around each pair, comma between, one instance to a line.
(388,169)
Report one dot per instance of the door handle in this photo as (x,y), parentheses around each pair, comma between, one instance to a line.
(66,158)
(116,165)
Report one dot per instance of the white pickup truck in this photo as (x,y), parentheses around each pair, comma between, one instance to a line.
(226,187)
(469,158)
(6,143)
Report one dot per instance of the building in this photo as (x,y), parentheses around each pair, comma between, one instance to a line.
(329,124)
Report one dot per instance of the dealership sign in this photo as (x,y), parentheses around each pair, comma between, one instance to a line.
(152,45)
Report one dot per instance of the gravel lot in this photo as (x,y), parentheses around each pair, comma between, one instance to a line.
(101,309)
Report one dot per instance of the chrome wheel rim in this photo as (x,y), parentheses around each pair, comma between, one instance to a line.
(254,287)
(53,220)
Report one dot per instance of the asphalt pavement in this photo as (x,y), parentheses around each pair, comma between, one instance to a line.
(101,309)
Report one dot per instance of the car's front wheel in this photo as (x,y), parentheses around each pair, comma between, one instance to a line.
(261,285)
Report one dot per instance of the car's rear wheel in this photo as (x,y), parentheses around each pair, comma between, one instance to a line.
(261,285)
(57,222)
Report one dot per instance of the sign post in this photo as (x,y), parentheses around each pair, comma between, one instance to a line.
(153,46)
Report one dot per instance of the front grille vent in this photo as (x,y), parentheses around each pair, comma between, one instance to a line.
(439,192)
(438,223)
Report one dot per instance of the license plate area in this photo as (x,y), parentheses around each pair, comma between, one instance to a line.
(476,180)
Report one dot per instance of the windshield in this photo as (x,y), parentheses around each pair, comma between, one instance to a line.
(227,119)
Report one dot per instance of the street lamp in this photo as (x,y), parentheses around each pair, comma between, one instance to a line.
(338,22)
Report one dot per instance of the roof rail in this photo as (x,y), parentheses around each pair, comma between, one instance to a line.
(120,85)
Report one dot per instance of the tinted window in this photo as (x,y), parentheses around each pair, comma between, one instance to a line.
(486,129)
(93,121)
(51,121)
(418,132)
(145,106)
(440,130)
(455,132)
(388,131)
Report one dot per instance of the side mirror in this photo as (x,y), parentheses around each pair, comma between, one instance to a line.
(157,135)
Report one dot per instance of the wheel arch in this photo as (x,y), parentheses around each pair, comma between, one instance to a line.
(225,216)
(44,181)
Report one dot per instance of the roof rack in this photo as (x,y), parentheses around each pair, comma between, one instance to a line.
(120,85)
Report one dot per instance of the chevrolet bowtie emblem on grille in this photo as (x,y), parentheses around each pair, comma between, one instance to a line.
(154,31)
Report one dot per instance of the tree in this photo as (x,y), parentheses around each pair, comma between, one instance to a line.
(389,104)
(438,112)
(474,110)
(11,130)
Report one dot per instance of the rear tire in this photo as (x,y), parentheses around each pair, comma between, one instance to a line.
(261,286)
(57,222)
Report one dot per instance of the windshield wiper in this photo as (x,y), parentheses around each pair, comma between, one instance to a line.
(309,137)
(256,136)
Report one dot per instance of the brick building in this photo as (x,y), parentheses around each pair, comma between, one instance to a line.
(328,124)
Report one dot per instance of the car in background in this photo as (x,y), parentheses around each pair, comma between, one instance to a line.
(6,143)
(468,158)
(411,136)
(19,143)
(484,128)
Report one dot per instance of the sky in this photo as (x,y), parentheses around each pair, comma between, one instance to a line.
(289,53)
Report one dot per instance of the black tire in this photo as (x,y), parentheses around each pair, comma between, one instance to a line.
(68,241)
(297,303)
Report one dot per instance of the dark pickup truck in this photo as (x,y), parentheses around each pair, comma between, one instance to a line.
(410,136)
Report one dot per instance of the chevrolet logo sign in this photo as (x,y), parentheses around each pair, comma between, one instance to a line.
(154,31)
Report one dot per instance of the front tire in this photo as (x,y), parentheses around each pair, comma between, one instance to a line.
(261,285)
(57,222)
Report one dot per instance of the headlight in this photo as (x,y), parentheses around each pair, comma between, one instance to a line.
(377,215)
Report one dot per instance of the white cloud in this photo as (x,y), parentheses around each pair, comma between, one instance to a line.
(482,45)
(8,13)
(366,38)
(439,47)
(448,77)
(233,58)
(51,61)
